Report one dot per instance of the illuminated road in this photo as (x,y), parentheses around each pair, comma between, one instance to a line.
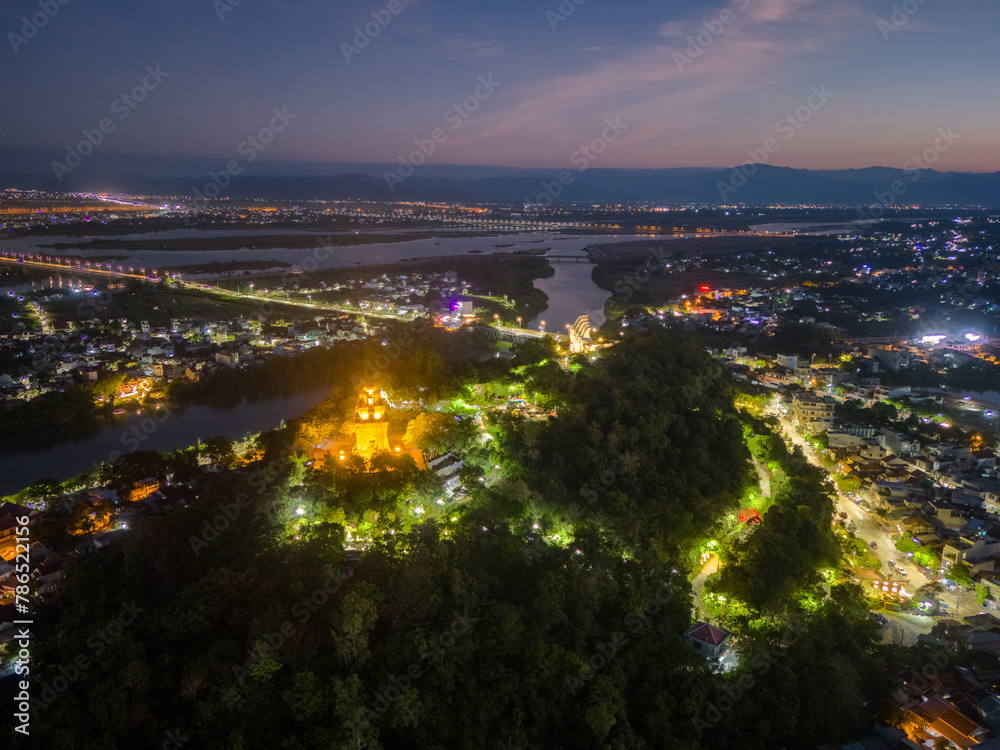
(154,278)
(868,527)
(50,264)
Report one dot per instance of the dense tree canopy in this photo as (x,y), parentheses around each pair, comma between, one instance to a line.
(298,604)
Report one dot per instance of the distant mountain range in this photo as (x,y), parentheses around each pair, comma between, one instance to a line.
(766,185)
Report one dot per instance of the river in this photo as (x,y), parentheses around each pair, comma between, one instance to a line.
(143,432)
(571,293)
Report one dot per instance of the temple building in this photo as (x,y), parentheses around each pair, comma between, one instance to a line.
(371,422)
(370,428)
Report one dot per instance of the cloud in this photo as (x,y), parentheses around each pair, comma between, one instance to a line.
(673,30)
(472,47)
(648,88)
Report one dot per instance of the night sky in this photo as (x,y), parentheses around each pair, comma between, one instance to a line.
(557,79)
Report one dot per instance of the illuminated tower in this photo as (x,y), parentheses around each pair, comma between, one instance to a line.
(371,422)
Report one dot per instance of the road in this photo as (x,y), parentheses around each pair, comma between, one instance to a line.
(869,528)
(698,584)
(904,629)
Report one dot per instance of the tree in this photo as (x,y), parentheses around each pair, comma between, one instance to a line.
(534,351)
(959,573)
(219,449)
(931,592)
(306,696)
(42,491)
(184,464)
(434,431)
(906,544)
(134,467)
(847,484)
(108,386)
(982,593)
(357,618)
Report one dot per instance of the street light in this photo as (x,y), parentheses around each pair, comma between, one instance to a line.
(543,326)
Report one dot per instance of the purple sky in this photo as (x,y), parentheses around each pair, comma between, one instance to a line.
(559,77)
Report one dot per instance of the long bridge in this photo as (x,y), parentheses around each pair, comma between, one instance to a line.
(68,265)
(513,334)
(516,335)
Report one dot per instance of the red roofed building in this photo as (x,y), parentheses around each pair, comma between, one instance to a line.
(708,639)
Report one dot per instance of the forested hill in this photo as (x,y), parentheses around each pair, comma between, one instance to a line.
(548,611)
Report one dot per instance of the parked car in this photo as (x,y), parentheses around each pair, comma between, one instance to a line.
(878,617)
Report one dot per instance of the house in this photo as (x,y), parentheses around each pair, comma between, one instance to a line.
(9,525)
(791,361)
(938,717)
(813,414)
(946,515)
(898,443)
(971,550)
(838,439)
(50,573)
(709,640)
(984,459)
(141,489)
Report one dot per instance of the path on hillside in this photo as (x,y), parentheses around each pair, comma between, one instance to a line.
(698,584)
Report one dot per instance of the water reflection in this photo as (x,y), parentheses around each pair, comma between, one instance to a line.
(70,453)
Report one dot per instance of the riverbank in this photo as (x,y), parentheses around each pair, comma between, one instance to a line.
(169,428)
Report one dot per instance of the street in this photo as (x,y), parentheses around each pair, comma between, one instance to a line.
(868,527)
